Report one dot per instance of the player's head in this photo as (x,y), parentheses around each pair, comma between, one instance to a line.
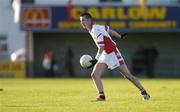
(86,20)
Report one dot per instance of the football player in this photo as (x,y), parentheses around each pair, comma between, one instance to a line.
(108,56)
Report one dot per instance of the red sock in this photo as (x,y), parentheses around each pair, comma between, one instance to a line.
(101,95)
(143,92)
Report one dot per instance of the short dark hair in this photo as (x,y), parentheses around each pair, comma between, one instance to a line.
(87,15)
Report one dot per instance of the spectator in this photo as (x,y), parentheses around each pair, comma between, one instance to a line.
(49,64)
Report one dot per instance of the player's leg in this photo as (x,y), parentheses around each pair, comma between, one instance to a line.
(126,73)
(96,75)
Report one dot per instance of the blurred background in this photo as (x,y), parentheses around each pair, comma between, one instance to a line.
(44,38)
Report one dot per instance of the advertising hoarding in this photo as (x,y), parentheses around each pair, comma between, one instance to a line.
(122,18)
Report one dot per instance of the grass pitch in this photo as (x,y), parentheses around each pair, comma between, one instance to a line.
(76,95)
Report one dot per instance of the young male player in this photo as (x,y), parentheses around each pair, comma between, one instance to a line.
(108,56)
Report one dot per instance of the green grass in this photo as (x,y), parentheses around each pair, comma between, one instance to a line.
(76,95)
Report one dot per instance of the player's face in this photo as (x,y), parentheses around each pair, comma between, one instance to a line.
(86,23)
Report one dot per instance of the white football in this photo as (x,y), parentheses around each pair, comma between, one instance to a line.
(84,60)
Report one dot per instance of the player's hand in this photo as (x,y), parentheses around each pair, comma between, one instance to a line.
(93,62)
(123,35)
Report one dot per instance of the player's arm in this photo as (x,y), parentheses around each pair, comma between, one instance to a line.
(94,61)
(116,34)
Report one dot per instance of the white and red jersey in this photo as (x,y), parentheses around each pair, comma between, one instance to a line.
(110,55)
(101,37)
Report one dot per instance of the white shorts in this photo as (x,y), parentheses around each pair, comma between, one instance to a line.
(112,60)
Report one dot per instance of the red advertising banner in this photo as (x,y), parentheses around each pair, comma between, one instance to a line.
(36,17)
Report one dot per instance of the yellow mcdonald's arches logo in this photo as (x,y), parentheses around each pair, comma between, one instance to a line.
(36,17)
